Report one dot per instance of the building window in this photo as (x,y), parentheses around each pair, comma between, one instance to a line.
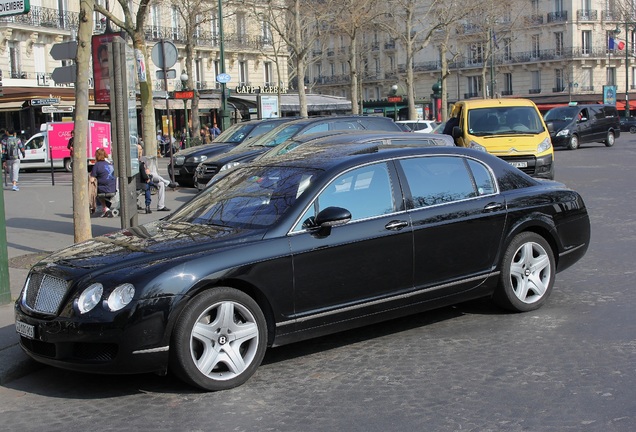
(332,68)
(242,67)
(14,59)
(476,53)
(559,81)
(558,6)
(155,21)
(534,7)
(558,43)
(241,27)
(586,42)
(267,33)
(267,70)
(586,80)
(611,76)
(507,91)
(174,20)
(536,49)
(507,50)
(474,86)
(536,82)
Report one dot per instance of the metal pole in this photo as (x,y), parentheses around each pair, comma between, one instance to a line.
(5,286)
(225,119)
(626,69)
(187,128)
(165,85)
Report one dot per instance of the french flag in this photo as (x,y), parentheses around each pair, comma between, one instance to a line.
(616,44)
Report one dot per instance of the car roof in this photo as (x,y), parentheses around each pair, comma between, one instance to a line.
(329,155)
(487,103)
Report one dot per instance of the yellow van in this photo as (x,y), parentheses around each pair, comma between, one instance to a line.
(512,129)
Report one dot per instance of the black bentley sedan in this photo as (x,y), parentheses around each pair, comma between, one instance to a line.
(312,243)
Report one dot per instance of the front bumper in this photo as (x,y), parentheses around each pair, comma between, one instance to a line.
(541,167)
(134,341)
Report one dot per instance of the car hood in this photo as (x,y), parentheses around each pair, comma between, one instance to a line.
(160,240)
(213,148)
(558,125)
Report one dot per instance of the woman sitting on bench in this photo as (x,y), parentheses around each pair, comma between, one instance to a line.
(104,172)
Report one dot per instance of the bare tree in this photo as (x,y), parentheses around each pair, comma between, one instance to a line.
(81,215)
(299,23)
(352,18)
(194,14)
(134,27)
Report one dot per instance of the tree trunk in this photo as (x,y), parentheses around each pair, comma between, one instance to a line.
(81,214)
(148,126)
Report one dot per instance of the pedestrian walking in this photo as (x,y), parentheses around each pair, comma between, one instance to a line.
(13,148)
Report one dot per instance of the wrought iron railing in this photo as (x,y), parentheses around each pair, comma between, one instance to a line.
(46,18)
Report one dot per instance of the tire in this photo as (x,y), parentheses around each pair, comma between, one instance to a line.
(219,340)
(68,165)
(610,140)
(632,129)
(527,273)
(574,142)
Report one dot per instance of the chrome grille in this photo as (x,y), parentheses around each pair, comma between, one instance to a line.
(45,293)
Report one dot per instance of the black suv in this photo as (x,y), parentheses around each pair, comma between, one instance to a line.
(186,161)
(572,125)
(316,125)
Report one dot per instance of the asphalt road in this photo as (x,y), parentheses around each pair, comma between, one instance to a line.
(570,366)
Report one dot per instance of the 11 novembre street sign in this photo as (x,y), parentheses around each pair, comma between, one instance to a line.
(14,7)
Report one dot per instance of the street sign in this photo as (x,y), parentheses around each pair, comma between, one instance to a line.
(170,74)
(171,54)
(49,101)
(58,109)
(187,94)
(223,78)
(14,7)
(64,50)
(64,74)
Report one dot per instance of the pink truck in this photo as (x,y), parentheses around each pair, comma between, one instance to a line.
(51,143)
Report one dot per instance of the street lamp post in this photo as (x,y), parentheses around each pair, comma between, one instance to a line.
(394,89)
(225,119)
(184,86)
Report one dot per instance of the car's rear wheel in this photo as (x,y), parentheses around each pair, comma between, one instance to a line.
(610,140)
(219,340)
(574,142)
(68,164)
(527,273)
(632,129)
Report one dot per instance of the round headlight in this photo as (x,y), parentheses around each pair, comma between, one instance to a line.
(228,166)
(564,132)
(90,297)
(121,296)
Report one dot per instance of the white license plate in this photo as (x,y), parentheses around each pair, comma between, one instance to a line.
(519,164)
(26,330)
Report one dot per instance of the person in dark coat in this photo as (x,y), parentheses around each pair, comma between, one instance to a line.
(104,172)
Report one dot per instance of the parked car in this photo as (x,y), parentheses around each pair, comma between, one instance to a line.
(423,126)
(287,249)
(511,129)
(573,125)
(314,125)
(628,124)
(186,160)
(307,142)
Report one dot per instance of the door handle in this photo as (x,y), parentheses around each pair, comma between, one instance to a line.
(396,225)
(493,207)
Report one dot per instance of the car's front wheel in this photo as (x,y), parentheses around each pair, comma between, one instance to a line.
(610,140)
(632,129)
(219,340)
(574,142)
(527,273)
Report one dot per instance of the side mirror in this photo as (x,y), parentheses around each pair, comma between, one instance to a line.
(333,216)
(456,132)
(550,127)
(327,218)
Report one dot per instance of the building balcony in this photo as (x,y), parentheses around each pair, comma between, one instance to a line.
(507,93)
(610,15)
(45,18)
(534,91)
(389,45)
(532,20)
(471,95)
(558,17)
(586,15)
(559,89)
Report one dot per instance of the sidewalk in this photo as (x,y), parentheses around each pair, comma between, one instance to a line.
(39,220)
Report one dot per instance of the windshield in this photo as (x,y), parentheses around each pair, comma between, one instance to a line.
(235,134)
(504,121)
(249,197)
(561,113)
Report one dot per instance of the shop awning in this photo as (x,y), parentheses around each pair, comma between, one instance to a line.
(290,103)
(177,104)
(10,106)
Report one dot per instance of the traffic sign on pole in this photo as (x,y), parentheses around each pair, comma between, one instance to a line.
(64,50)
(64,74)
(58,109)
